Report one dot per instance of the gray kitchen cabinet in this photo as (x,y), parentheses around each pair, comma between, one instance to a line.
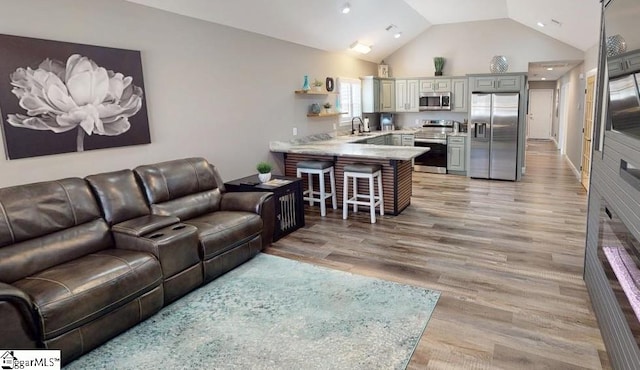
(408,139)
(396,139)
(435,85)
(456,155)
(624,63)
(370,94)
(378,140)
(460,95)
(387,95)
(388,139)
(403,139)
(496,83)
(407,99)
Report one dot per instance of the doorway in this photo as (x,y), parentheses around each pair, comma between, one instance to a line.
(585,166)
(539,119)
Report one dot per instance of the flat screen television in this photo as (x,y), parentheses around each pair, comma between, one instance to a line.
(622,46)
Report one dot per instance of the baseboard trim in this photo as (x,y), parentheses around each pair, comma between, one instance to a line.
(573,168)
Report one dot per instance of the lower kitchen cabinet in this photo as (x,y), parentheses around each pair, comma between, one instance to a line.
(456,155)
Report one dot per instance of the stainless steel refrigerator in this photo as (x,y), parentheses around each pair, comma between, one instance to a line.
(494,135)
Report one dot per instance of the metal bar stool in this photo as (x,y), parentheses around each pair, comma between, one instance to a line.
(362,171)
(319,168)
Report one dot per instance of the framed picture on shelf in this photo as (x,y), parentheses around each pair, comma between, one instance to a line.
(383,71)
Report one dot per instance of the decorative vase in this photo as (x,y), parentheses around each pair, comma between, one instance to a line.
(315,108)
(329,83)
(616,44)
(305,84)
(438,73)
(499,64)
(264,177)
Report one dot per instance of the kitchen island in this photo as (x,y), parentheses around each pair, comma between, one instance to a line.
(348,149)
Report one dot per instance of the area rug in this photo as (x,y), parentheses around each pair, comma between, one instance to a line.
(275,313)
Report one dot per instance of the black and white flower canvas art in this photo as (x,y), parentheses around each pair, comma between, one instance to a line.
(59,97)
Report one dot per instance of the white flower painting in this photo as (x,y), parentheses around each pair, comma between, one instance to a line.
(72,100)
(79,95)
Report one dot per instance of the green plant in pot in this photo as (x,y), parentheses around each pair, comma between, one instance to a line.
(264,171)
(327,107)
(438,63)
(317,85)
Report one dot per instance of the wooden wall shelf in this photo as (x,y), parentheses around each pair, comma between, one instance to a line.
(324,114)
(311,92)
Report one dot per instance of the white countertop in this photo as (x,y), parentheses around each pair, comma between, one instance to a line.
(326,144)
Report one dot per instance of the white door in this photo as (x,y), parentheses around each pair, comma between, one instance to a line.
(540,114)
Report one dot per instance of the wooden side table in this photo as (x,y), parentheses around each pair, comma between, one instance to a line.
(289,205)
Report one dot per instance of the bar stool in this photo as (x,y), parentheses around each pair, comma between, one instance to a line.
(362,171)
(319,168)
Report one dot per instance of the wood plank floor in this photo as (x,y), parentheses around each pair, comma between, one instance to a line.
(507,257)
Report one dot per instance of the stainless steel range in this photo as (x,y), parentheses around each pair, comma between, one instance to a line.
(433,134)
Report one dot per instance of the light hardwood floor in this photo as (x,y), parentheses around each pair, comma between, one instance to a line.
(507,257)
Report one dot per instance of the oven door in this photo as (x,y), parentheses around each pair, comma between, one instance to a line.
(435,160)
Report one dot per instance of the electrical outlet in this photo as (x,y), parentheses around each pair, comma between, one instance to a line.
(295,131)
(335,126)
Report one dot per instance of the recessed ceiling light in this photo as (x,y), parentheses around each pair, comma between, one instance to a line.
(360,48)
(346,8)
(540,24)
(550,69)
(543,78)
(397,35)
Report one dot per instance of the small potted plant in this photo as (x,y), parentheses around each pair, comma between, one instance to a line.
(264,171)
(438,63)
(327,107)
(317,85)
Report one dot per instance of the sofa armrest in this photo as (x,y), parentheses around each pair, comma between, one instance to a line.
(251,201)
(261,203)
(19,317)
(176,246)
(144,225)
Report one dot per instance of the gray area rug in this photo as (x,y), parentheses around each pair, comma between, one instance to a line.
(275,313)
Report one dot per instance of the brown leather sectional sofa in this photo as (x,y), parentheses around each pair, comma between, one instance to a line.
(82,260)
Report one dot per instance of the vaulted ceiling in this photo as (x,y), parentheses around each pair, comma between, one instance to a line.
(320,23)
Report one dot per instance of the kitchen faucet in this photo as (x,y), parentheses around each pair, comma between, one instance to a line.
(353,131)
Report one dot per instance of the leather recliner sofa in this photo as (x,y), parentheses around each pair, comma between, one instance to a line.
(229,226)
(83,260)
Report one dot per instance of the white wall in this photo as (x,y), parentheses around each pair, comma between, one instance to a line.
(211,90)
(575,103)
(468,48)
(591,58)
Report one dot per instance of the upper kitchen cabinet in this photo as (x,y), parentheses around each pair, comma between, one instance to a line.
(459,95)
(407,99)
(624,63)
(378,95)
(370,94)
(435,85)
(387,96)
(496,83)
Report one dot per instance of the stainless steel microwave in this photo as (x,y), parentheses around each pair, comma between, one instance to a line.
(435,101)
